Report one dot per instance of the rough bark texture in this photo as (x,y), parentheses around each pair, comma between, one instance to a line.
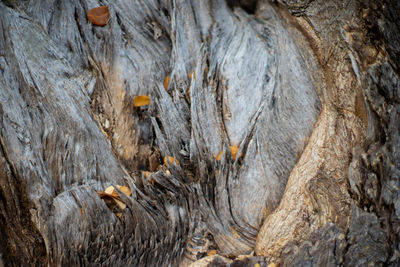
(307,90)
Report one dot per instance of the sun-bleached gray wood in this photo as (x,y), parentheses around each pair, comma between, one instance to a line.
(307,90)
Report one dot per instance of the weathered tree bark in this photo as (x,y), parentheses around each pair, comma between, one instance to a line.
(307,90)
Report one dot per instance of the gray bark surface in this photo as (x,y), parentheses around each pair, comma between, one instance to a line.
(307,90)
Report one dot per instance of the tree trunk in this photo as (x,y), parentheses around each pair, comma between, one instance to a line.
(307,91)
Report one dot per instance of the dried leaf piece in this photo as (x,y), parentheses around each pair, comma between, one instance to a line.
(120,204)
(146,174)
(170,160)
(271,265)
(108,199)
(124,189)
(99,15)
(111,196)
(166,82)
(192,74)
(211,252)
(104,195)
(112,192)
(257,265)
(141,100)
(219,155)
(234,151)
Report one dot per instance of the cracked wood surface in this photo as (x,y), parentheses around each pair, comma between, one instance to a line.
(307,90)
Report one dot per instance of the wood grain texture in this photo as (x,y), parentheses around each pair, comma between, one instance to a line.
(307,90)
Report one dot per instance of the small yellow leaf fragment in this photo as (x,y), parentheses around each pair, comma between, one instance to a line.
(234,151)
(120,204)
(166,82)
(211,252)
(271,265)
(192,75)
(119,214)
(124,189)
(170,160)
(111,191)
(146,174)
(111,196)
(141,100)
(257,265)
(219,155)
